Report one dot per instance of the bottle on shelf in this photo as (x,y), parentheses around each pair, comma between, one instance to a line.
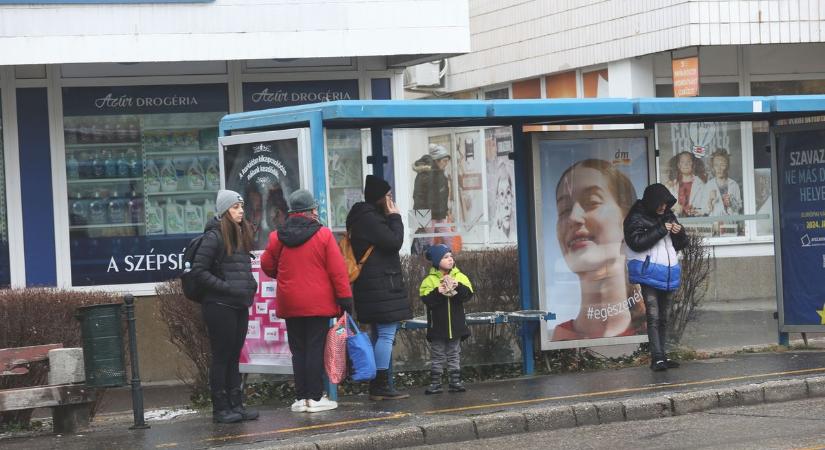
(98,169)
(109,164)
(84,165)
(174,217)
(213,175)
(134,130)
(168,176)
(194,176)
(97,210)
(194,217)
(154,218)
(117,209)
(208,210)
(72,168)
(79,210)
(135,207)
(135,166)
(122,164)
(152,178)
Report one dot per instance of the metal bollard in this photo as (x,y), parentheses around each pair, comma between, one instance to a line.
(137,390)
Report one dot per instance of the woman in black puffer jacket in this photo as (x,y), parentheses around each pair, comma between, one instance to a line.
(379,292)
(222,265)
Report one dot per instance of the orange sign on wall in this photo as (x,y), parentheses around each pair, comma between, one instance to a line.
(686,77)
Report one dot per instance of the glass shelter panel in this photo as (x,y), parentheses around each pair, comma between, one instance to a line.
(142,172)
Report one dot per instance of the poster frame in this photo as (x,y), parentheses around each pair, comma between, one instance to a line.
(775,131)
(541,294)
(305,181)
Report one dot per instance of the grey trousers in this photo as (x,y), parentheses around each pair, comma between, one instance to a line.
(445,352)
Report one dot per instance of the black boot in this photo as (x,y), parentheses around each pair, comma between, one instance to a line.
(380,388)
(236,402)
(221,410)
(435,384)
(455,382)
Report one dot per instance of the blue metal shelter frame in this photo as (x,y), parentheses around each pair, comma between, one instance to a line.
(379,114)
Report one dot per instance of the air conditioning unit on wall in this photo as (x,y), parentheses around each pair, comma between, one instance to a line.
(427,75)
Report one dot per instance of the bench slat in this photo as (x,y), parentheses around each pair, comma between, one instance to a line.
(10,358)
(45,396)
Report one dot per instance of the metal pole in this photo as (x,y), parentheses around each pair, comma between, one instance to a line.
(137,390)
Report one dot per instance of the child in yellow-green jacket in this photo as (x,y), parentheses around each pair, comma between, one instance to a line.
(444,291)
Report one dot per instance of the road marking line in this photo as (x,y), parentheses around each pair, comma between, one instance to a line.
(512,403)
(169,445)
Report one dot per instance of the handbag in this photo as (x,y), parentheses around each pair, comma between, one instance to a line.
(360,352)
(335,351)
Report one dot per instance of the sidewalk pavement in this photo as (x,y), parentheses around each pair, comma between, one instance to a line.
(487,409)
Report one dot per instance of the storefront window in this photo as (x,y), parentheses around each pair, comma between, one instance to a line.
(5,273)
(701,164)
(344,168)
(142,172)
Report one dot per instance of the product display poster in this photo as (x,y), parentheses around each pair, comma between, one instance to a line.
(587,186)
(801,167)
(501,188)
(264,173)
(266,349)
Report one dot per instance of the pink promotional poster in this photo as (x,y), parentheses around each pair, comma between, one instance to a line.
(266,349)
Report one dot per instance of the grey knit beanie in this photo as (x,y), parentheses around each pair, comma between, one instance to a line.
(301,200)
(225,201)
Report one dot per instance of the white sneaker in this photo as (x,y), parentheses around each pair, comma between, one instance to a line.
(299,406)
(324,404)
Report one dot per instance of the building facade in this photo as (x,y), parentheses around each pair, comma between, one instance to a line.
(618,48)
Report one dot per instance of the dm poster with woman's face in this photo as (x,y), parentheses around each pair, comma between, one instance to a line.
(587,186)
(264,173)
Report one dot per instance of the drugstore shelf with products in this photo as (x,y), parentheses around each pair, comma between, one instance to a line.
(141,175)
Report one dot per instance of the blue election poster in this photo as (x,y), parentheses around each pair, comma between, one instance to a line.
(801,170)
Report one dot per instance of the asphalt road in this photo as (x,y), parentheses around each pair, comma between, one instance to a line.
(789,425)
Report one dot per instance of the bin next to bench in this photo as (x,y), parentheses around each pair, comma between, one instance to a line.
(70,400)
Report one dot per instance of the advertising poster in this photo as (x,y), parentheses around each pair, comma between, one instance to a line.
(587,186)
(501,189)
(264,173)
(432,216)
(701,164)
(470,165)
(801,167)
(266,349)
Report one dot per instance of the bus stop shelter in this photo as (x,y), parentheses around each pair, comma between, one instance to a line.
(641,113)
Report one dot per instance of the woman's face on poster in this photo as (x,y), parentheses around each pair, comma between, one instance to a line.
(504,203)
(589,227)
(685,164)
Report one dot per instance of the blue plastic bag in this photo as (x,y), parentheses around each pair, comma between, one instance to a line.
(359,350)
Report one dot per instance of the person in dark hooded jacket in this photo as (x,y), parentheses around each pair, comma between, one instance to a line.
(223,266)
(653,237)
(313,286)
(380,294)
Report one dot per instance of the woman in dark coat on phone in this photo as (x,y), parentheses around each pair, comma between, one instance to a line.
(380,293)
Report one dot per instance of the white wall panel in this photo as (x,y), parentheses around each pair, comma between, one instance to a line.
(231,30)
(528,37)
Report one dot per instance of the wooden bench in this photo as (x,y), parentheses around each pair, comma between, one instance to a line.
(70,403)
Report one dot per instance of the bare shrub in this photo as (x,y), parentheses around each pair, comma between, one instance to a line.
(188,334)
(695,265)
(40,316)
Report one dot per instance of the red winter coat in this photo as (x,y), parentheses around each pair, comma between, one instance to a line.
(304,258)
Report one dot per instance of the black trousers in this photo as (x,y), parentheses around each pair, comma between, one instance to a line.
(307,338)
(227,333)
(656,304)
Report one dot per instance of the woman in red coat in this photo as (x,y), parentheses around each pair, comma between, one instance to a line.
(313,286)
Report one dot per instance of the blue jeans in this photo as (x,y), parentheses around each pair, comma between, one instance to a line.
(383,335)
